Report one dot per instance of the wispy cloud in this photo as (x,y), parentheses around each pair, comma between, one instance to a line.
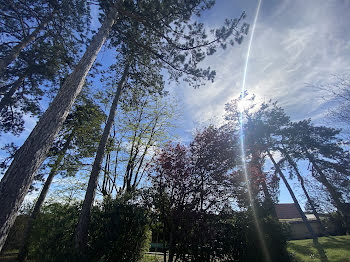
(296,44)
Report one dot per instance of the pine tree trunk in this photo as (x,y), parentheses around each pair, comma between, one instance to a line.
(81,233)
(323,256)
(23,252)
(5,100)
(4,62)
(332,191)
(296,203)
(19,176)
(314,211)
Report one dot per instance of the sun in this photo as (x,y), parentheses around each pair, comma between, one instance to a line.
(242,105)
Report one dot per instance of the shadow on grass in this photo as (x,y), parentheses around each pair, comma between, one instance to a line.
(335,248)
(330,240)
(320,250)
(304,250)
(309,251)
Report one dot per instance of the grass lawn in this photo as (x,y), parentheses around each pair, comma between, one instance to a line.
(337,249)
(153,258)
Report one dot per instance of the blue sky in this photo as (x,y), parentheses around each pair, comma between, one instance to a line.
(296,44)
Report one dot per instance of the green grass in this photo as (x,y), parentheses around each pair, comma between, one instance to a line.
(153,258)
(337,249)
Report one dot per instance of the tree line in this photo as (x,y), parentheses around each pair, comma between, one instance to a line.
(41,45)
(183,191)
(191,187)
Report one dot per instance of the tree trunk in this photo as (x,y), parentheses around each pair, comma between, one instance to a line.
(332,191)
(81,233)
(5,100)
(317,245)
(19,176)
(306,222)
(268,202)
(314,211)
(23,252)
(164,247)
(171,246)
(4,62)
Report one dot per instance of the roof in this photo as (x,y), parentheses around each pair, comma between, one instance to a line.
(287,211)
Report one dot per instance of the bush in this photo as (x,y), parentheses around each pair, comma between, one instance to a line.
(275,236)
(229,237)
(334,224)
(16,234)
(119,232)
(52,237)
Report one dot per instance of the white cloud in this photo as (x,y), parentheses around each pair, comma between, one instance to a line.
(296,45)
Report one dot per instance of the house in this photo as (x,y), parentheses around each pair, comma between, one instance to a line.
(288,213)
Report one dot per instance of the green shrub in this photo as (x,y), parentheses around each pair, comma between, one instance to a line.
(229,237)
(16,234)
(119,232)
(334,224)
(53,233)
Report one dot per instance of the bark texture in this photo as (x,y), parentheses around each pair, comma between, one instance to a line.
(81,233)
(18,178)
(23,252)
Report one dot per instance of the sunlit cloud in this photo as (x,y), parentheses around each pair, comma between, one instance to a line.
(296,44)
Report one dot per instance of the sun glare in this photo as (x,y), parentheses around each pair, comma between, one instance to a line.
(242,105)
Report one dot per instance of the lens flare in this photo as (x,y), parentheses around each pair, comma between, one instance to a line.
(241,105)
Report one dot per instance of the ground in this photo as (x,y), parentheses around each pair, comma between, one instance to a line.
(153,258)
(337,249)
(9,256)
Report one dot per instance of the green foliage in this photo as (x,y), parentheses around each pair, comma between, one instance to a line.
(79,137)
(53,233)
(144,120)
(268,129)
(275,235)
(119,232)
(167,34)
(229,237)
(238,236)
(44,61)
(16,234)
(334,224)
